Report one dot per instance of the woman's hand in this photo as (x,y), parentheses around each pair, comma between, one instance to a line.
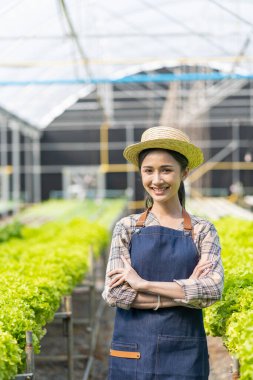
(126,274)
(202,269)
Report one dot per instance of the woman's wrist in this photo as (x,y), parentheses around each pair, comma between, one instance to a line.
(149,301)
(167,289)
(143,286)
(144,301)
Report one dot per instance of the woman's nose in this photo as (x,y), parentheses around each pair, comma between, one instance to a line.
(157,178)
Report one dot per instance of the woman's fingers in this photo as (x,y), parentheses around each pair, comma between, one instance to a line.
(121,281)
(204,264)
(115,271)
(125,275)
(206,271)
(202,269)
(117,280)
(119,274)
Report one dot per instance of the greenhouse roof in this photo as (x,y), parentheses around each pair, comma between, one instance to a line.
(54,52)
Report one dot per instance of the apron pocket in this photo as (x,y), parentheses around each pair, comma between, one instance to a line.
(123,361)
(182,356)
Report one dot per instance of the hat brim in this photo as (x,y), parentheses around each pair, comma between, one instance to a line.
(191,152)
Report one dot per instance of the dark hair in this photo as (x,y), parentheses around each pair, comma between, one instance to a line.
(183,162)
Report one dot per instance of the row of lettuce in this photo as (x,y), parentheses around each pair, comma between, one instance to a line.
(232,317)
(37,267)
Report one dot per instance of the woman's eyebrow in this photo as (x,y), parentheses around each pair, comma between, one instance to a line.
(162,166)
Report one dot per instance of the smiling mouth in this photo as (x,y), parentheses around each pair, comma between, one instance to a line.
(160,190)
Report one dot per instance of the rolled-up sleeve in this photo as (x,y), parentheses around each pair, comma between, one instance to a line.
(123,295)
(203,292)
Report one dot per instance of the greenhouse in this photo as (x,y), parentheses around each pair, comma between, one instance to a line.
(79,82)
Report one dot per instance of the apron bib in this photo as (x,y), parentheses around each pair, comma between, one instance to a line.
(169,343)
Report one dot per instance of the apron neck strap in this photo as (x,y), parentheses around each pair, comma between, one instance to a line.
(187,220)
(142,219)
(187,223)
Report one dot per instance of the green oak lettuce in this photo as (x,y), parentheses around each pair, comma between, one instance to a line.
(232,317)
(36,271)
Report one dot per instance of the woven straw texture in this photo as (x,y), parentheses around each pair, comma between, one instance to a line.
(165,138)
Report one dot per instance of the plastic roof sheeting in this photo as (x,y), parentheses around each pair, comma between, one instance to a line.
(113,39)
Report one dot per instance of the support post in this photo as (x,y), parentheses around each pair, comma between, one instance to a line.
(235,368)
(29,353)
(92,296)
(236,152)
(130,172)
(15,161)
(69,333)
(27,167)
(36,168)
(5,191)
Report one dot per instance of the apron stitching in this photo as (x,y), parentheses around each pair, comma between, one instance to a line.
(156,359)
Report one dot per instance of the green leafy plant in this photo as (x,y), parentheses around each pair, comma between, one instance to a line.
(36,272)
(11,230)
(232,317)
(10,355)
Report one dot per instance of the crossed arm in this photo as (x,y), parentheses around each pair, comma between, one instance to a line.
(125,289)
(147,291)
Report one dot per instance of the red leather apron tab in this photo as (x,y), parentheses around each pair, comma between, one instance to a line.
(125,354)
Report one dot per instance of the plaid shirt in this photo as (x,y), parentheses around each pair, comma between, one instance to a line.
(199,293)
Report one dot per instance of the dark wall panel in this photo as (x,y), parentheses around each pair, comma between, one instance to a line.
(66,158)
(116,157)
(117,135)
(50,183)
(139,190)
(88,135)
(116,181)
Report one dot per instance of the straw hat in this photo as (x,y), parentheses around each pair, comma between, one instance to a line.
(165,138)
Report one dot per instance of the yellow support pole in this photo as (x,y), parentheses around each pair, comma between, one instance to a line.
(194,176)
(117,168)
(134,205)
(6,169)
(104,149)
(105,166)
(234,165)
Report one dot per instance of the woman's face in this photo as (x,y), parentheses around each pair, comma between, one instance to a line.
(161,176)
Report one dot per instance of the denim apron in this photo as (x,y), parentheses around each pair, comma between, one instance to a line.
(169,343)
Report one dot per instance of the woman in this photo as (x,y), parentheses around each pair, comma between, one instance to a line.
(164,267)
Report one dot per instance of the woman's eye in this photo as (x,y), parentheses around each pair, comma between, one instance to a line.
(147,171)
(166,170)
